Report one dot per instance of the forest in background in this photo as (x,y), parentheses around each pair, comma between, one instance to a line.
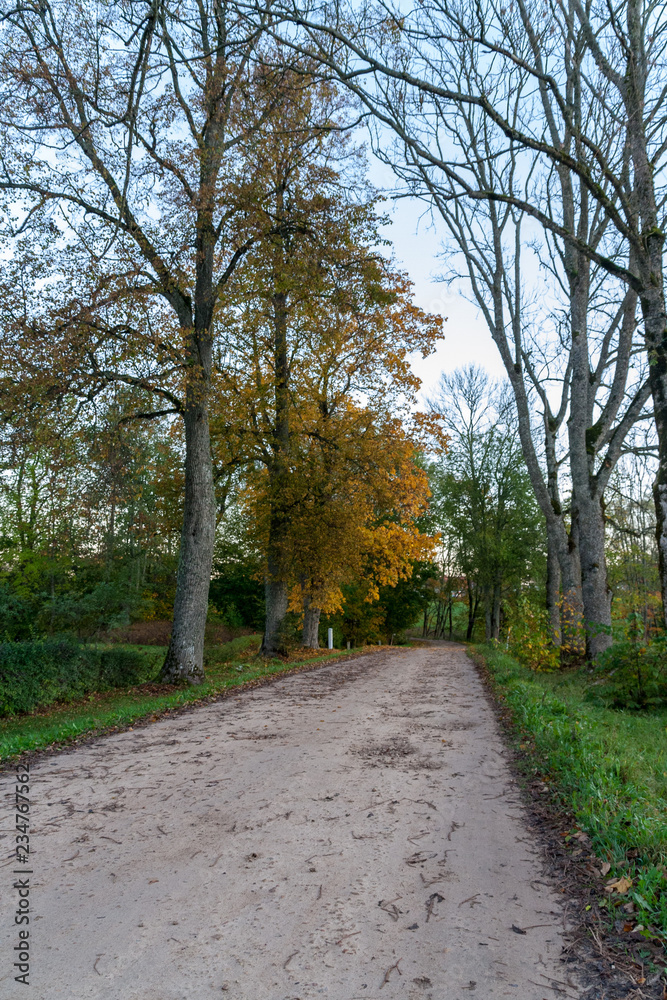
(208,408)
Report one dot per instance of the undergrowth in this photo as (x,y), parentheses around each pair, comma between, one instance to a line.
(606,767)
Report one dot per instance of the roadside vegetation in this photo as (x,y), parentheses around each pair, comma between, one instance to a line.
(605,766)
(230,665)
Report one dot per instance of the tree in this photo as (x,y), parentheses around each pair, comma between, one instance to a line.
(362,524)
(584,349)
(130,171)
(89,517)
(578,86)
(482,500)
(317,320)
(630,519)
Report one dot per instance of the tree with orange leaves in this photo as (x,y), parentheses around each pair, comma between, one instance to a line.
(314,378)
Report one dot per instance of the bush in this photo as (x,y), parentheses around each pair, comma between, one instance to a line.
(528,636)
(17,616)
(121,668)
(632,674)
(36,674)
(108,605)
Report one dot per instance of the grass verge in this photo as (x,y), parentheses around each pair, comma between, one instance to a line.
(231,665)
(605,767)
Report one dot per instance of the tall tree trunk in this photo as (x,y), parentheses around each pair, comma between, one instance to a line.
(650,253)
(594,583)
(553,592)
(276,608)
(586,508)
(311,626)
(276,581)
(185,656)
(473,602)
(488,613)
(654,315)
(495,612)
(546,493)
(658,379)
(275,586)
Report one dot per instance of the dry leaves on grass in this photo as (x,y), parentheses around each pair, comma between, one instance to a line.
(619,885)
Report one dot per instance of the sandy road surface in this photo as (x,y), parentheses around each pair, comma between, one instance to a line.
(350,833)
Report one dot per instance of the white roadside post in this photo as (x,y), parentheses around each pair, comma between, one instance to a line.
(330,638)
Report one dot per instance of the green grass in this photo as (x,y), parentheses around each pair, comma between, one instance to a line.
(227,666)
(607,767)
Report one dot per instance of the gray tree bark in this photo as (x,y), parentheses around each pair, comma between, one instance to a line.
(278,470)
(553,593)
(273,642)
(185,655)
(649,251)
(311,624)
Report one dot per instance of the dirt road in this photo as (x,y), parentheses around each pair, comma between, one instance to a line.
(350,833)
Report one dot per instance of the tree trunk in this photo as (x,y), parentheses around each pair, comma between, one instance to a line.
(546,494)
(472,611)
(278,469)
(553,593)
(595,588)
(488,622)
(185,656)
(586,508)
(654,314)
(311,626)
(495,613)
(649,262)
(276,595)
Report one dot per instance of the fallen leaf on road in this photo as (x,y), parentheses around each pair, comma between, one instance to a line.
(517,930)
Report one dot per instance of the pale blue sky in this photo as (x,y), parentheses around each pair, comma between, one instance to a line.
(417,244)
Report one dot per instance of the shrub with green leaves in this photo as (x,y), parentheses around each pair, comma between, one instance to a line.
(39,673)
(632,674)
(121,668)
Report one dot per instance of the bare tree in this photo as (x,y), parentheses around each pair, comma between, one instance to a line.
(600,395)
(550,79)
